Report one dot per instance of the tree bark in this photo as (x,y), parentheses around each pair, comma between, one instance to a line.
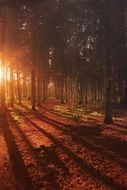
(39,89)
(11,87)
(108,67)
(19,87)
(33,89)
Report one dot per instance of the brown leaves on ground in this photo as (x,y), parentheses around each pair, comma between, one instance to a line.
(41,150)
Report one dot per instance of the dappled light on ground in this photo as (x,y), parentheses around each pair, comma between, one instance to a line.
(53,152)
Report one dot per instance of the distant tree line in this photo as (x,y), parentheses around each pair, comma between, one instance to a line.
(80,45)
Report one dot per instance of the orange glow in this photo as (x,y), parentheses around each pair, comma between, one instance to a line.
(8,75)
(4,74)
(50,85)
(1,72)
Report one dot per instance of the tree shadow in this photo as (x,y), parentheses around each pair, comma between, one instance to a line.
(96,174)
(118,129)
(118,146)
(18,166)
(81,130)
(90,137)
(50,157)
(121,126)
(92,132)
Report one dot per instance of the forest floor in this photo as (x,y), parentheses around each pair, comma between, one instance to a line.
(45,150)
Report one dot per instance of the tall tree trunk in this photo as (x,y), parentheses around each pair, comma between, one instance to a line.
(3,90)
(38,89)
(62,91)
(24,85)
(11,87)
(19,87)
(108,107)
(56,89)
(33,89)
(86,95)
(44,89)
(108,90)
(80,90)
(3,62)
(34,60)
(66,91)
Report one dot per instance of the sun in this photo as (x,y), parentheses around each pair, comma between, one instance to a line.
(1,74)
(4,73)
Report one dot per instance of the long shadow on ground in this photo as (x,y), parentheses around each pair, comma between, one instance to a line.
(82,163)
(21,175)
(90,137)
(44,160)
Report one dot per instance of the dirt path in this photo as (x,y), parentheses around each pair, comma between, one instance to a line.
(44,154)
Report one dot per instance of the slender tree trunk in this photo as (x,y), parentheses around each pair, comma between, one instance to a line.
(125,94)
(33,89)
(44,89)
(108,106)
(86,95)
(92,92)
(80,89)
(39,89)
(56,88)
(3,63)
(19,87)
(3,91)
(62,91)
(95,91)
(108,67)
(66,91)
(11,87)
(24,85)
(34,61)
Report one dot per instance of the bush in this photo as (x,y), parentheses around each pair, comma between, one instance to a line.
(76,118)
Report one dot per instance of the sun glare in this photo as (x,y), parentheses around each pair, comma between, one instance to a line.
(0,73)
(4,74)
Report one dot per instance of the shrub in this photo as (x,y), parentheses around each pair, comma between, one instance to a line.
(76,118)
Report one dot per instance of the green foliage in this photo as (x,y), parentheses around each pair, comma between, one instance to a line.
(16,118)
(76,118)
(96,114)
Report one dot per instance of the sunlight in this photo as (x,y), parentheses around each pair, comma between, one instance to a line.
(4,73)
(1,75)
(50,85)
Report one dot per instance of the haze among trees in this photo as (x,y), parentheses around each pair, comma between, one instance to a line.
(68,57)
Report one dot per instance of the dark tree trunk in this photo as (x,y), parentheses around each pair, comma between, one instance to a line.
(86,95)
(62,91)
(44,89)
(24,85)
(39,90)
(11,87)
(33,89)
(80,90)
(108,106)
(3,12)
(108,68)
(19,87)
(66,91)
(34,60)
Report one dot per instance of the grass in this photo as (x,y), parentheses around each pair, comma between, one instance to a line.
(78,114)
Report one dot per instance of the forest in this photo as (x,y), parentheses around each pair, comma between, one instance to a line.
(63,94)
